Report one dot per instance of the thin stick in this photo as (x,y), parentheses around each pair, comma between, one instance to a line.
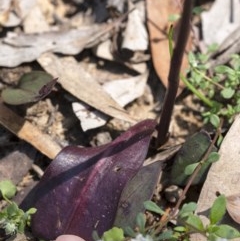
(174,72)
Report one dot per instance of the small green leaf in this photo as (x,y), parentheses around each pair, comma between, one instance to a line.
(218,209)
(227,93)
(114,234)
(153,207)
(222,69)
(190,168)
(129,232)
(166,235)
(8,189)
(180,229)
(32,87)
(192,59)
(12,210)
(198,10)
(31,211)
(213,157)
(214,120)
(227,232)
(141,221)
(186,209)
(195,223)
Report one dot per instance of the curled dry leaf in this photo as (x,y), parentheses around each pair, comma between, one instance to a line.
(233,207)
(80,190)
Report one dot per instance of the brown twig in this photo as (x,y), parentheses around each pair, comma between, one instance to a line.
(174,72)
(26,131)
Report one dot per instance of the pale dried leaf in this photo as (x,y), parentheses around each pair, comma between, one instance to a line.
(4,11)
(123,91)
(233,207)
(35,21)
(135,36)
(223,175)
(19,48)
(82,85)
(220,21)
(13,12)
(89,118)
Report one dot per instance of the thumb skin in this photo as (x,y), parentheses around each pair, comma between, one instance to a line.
(69,237)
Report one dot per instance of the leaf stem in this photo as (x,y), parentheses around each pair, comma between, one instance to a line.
(208,79)
(198,93)
(173,77)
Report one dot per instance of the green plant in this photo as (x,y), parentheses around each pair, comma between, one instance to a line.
(220,92)
(187,223)
(13,219)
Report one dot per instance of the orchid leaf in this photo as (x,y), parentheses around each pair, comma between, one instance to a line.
(32,87)
(81,188)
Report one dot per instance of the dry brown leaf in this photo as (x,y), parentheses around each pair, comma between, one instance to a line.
(26,131)
(81,84)
(158,13)
(233,207)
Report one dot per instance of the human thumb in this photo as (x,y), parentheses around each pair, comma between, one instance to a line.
(69,237)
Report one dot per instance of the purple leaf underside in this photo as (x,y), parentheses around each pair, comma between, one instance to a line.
(80,190)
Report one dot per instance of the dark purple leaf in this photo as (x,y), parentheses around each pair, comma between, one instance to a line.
(46,89)
(80,190)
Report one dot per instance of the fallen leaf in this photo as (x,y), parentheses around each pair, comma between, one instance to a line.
(12,13)
(135,35)
(80,189)
(19,48)
(159,13)
(123,91)
(89,117)
(233,207)
(220,21)
(82,85)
